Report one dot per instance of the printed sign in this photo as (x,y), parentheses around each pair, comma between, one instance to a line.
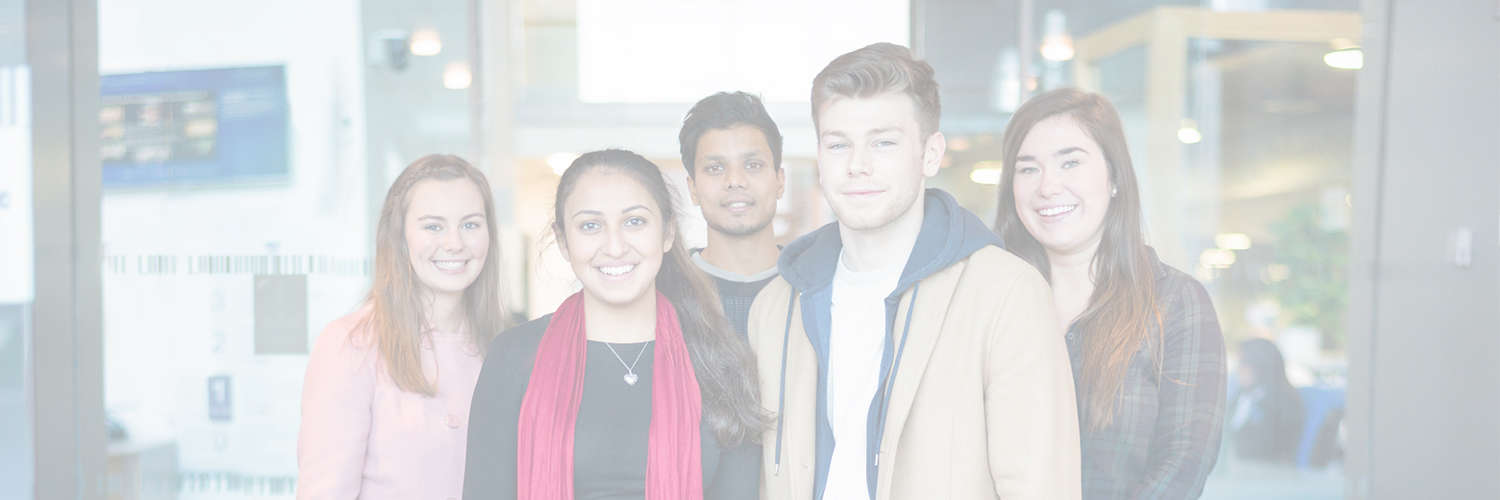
(220,400)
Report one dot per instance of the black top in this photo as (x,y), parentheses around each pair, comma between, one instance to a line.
(609,449)
(609,440)
(736,292)
(737,297)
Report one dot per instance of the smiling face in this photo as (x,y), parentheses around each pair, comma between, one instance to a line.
(447,235)
(735,180)
(614,235)
(1062,186)
(873,158)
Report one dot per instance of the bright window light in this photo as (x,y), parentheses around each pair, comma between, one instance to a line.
(559,162)
(679,51)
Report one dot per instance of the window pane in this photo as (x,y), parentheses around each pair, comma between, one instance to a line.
(1276,125)
(17,288)
(1241,141)
(1243,149)
(246,147)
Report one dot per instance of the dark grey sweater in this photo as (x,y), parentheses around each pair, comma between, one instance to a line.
(736,291)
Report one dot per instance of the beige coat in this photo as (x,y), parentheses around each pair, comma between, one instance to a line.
(981,407)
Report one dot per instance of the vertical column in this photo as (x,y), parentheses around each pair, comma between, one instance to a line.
(497,26)
(1426,184)
(1166,84)
(1364,251)
(67,357)
(497,29)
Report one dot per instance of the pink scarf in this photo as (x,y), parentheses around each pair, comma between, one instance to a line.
(549,411)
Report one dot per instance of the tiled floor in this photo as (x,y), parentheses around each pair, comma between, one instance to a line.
(1237,480)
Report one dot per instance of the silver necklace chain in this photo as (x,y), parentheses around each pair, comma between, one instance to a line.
(630,376)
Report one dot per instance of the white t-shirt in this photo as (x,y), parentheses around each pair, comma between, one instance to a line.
(856,344)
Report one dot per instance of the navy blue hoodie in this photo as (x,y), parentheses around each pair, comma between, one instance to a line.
(949,234)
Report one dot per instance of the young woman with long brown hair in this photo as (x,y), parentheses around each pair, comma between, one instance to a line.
(636,387)
(385,403)
(1147,353)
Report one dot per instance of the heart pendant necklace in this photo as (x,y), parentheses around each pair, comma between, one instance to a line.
(630,377)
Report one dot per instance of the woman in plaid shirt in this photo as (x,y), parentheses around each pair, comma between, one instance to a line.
(1147,353)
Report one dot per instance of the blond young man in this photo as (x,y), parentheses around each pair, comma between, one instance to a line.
(906,355)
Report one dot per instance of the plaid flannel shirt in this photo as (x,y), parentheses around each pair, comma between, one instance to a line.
(1164,437)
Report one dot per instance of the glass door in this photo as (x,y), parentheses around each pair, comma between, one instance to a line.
(1242,125)
(242,173)
(17,290)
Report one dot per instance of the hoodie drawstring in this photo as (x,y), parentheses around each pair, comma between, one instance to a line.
(890,377)
(885,393)
(781,394)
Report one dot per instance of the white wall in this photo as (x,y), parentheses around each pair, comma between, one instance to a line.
(166,333)
(1425,383)
(320,209)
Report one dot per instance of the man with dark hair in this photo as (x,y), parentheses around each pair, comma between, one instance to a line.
(909,356)
(732,152)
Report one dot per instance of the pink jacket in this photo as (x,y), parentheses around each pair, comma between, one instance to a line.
(362,437)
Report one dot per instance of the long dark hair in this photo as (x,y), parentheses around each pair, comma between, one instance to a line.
(1123,313)
(395,321)
(722,360)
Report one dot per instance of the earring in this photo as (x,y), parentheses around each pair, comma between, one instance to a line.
(1113,190)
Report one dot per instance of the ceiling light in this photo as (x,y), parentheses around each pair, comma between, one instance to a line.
(1057,46)
(986,172)
(1189,133)
(425,43)
(456,76)
(1351,58)
(1058,49)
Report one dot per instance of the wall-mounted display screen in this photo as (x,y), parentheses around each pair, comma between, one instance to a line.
(194,127)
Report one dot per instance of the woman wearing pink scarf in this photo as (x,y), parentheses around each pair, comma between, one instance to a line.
(636,388)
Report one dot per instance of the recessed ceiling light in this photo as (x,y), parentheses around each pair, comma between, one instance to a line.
(1351,58)
(425,43)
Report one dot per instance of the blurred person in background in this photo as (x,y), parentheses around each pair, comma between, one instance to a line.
(1266,418)
(1145,344)
(385,403)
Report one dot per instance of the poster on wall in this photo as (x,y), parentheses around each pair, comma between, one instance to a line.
(207,126)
